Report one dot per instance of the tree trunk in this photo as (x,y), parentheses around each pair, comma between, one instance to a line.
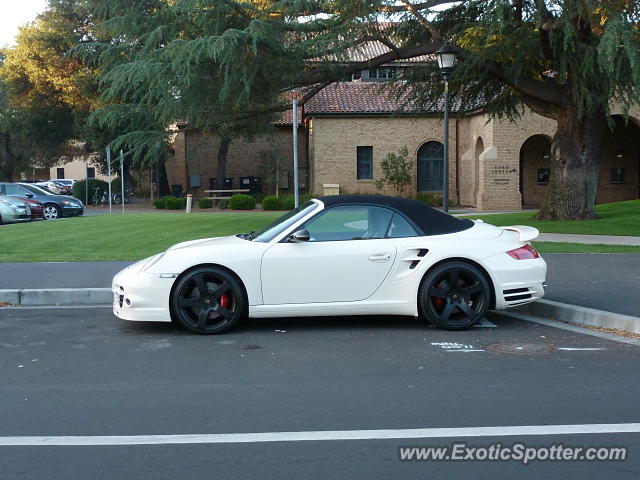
(162,180)
(576,150)
(221,170)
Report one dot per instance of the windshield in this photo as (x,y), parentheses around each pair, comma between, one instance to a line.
(269,232)
(36,190)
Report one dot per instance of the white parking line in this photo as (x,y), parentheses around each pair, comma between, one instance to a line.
(519,430)
(572,349)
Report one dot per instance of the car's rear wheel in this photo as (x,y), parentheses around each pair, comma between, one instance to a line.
(51,211)
(207,300)
(454,296)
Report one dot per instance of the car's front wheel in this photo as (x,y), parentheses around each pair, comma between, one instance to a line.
(454,295)
(207,300)
(51,212)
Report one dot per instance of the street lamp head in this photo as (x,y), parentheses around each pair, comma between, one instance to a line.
(446,58)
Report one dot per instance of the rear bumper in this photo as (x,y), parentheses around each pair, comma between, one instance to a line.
(516,282)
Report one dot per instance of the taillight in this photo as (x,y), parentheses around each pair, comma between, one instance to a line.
(524,253)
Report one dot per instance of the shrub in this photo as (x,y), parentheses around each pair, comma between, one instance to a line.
(306,197)
(205,203)
(175,203)
(242,202)
(79,190)
(271,203)
(396,172)
(223,204)
(287,202)
(159,203)
(433,199)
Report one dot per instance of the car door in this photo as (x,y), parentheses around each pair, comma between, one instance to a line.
(346,258)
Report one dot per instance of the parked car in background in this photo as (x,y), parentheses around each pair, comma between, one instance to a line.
(55,206)
(13,210)
(60,186)
(37,209)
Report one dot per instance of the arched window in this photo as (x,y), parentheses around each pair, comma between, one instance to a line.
(430,167)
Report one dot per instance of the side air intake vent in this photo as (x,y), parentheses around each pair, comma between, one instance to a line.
(421,253)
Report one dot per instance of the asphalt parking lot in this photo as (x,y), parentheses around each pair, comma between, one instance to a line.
(82,372)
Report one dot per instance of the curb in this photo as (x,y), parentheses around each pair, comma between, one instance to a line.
(57,296)
(542,308)
(580,315)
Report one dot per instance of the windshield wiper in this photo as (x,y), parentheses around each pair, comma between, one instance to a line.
(247,236)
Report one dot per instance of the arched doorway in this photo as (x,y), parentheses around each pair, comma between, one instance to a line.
(476,166)
(430,167)
(534,170)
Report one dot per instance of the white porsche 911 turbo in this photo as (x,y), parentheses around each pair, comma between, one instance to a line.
(339,255)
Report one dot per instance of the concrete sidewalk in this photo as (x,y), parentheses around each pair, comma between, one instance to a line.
(589,239)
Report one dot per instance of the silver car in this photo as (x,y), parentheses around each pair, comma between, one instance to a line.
(13,210)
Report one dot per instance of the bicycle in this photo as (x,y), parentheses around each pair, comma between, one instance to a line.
(129,197)
(98,199)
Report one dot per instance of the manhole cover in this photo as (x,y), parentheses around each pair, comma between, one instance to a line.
(520,348)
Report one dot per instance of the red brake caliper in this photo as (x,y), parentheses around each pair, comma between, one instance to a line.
(224,300)
(438,301)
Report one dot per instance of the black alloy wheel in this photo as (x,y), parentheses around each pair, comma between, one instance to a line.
(454,296)
(207,300)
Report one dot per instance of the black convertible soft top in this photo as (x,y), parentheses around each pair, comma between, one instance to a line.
(426,219)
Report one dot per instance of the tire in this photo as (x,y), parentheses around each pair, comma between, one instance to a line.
(457,308)
(51,211)
(217,311)
(117,198)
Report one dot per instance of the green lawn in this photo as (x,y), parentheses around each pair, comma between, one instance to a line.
(118,237)
(622,218)
(135,236)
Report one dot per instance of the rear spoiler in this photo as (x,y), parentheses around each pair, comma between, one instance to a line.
(525,233)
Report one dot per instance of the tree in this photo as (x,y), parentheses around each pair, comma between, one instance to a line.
(395,171)
(225,65)
(43,92)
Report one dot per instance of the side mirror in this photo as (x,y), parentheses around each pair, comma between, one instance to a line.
(30,195)
(300,236)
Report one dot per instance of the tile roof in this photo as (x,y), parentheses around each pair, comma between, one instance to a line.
(349,97)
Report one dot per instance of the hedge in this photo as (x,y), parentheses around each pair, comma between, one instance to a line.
(205,203)
(271,203)
(242,202)
(175,203)
(79,190)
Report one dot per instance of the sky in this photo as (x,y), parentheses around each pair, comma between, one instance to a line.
(13,14)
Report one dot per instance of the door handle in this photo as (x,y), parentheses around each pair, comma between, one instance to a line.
(380,257)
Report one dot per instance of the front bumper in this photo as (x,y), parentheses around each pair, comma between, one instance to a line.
(72,211)
(140,296)
(516,282)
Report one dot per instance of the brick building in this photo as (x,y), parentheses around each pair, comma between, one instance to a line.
(346,130)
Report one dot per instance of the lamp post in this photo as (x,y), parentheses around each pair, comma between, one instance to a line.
(295,150)
(446,61)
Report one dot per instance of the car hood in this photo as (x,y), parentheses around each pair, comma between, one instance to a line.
(207,242)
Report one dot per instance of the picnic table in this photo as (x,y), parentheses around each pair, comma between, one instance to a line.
(237,190)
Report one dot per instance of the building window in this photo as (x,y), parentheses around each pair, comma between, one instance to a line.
(431,167)
(91,172)
(617,175)
(381,73)
(59,172)
(365,163)
(542,176)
